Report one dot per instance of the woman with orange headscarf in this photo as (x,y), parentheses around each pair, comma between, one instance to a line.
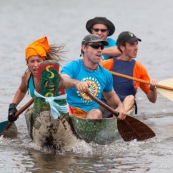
(36,52)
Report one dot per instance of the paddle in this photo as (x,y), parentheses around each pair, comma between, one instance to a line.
(140,80)
(130,128)
(4,126)
(164,87)
(167,93)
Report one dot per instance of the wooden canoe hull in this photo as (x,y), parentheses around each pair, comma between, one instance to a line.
(100,131)
(46,131)
(64,131)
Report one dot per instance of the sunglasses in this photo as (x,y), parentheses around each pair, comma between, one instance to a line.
(96,46)
(97,30)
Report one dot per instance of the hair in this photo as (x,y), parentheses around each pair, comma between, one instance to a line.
(121,44)
(84,43)
(56,52)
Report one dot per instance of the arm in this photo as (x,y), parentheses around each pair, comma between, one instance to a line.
(111,51)
(152,95)
(21,92)
(114,101)
(69,82)
(141,73)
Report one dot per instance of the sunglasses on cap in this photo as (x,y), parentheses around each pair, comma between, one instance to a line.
(97,30)
(96,46)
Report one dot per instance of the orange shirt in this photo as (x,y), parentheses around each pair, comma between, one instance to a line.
(139,72)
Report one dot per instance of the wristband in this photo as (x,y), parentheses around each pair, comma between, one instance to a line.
(12,106)
(153,89)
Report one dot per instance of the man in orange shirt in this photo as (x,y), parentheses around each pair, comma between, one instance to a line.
(126,89)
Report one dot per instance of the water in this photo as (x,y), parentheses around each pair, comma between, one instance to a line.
(64,22)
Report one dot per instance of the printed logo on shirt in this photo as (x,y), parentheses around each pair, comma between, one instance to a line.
(94,87)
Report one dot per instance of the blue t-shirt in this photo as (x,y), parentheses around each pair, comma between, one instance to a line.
(111,43)
(99,80)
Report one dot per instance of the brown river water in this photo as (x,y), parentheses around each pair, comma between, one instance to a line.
(22,22)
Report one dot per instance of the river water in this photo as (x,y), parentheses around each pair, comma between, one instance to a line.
(63,22)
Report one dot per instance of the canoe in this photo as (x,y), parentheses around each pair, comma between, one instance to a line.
(50,125)
(48,120)
(101,131)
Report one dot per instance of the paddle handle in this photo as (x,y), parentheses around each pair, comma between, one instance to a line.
(140,80)
(24,107)
(133,133)
(112,111)
(17,114)
(103,104)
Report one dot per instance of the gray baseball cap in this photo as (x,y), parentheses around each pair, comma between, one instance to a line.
(93,38)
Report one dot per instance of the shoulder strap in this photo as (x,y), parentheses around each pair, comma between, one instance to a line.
(28,77)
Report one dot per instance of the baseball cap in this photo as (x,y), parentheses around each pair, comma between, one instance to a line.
(93,38)
(127,37)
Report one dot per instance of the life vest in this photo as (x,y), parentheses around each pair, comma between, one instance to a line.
(122,86)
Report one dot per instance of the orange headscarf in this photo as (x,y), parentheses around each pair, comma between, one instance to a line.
(39,47)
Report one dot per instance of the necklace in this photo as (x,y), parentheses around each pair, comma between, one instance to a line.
(89,69)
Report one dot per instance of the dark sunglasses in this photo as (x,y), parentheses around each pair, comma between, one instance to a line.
(96,46)
(97,30)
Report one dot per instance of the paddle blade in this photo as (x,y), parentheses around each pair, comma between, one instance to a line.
(8,129)
(165,92)
(3,125)
(131,129)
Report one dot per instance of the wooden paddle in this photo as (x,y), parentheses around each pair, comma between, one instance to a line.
(140,80)
(130,128)
(4,126)
(166,93)
(164,87)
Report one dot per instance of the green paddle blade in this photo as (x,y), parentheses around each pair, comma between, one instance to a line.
(3,125)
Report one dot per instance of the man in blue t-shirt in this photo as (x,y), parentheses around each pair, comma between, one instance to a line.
(86,75)
(103,27)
